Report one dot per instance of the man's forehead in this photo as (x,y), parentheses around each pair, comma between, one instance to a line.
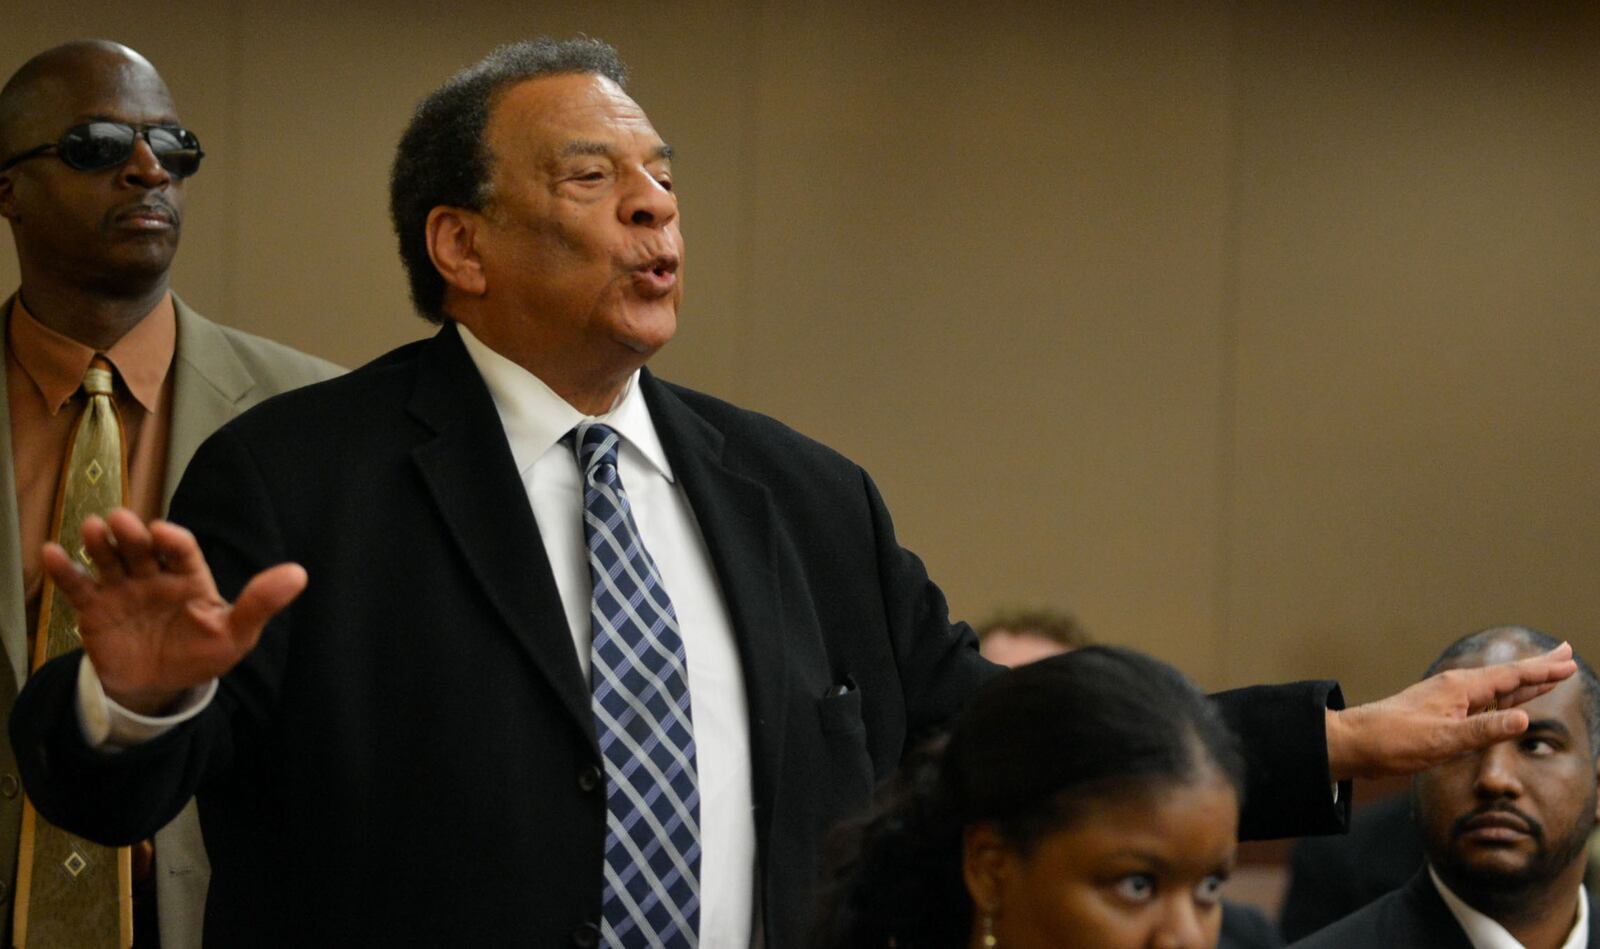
(1564,703)
(101,86)
(570,114)
(1496,651)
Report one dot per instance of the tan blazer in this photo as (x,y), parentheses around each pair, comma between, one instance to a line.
(219,372)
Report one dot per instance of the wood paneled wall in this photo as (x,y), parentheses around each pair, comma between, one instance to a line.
(1263,336)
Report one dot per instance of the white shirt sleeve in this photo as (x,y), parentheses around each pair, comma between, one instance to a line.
(108,726)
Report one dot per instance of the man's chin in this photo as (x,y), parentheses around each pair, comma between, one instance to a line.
(1491,867)
(644,333)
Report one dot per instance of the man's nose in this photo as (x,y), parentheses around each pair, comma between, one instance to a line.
(143,169)
(1497,775)
(647,202)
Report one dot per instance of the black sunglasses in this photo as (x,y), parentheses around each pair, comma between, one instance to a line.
(96,146)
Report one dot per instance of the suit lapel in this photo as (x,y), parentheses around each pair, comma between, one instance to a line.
(471,476)
(736,518)
(13,609)
(1436,925)
(209,387)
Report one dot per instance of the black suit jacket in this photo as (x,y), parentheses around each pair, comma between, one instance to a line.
(1412,917)
(408,755)
(1332,877)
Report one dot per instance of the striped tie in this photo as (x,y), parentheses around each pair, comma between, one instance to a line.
(639,677)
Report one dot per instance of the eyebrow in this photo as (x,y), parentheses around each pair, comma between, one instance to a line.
(1146,856)
(1551,725)
(662,151)
(1160,863)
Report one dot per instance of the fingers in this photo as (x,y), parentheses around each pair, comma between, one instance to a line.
(1517,682)
(134,545)
(70,578)
(101,549)
(119,545)
(176,548)
(1481,731)
(267,593)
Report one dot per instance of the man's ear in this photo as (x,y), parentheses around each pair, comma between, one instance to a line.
(8,197)
(453,245)
(986,865)
(1597,782)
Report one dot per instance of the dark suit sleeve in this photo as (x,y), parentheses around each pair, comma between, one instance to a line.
(938,661)
(1282,730)
(112,798)
(121,797)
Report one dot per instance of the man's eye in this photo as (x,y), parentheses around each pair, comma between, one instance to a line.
(1538,747)
(1137,888)
(665,183)
(1209,892)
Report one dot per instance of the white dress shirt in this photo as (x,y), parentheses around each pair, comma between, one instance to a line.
(535,419)
(1485,933)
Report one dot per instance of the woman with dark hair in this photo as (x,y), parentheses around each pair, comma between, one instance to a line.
(1090,799)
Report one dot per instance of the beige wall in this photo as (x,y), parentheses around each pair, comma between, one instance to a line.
(1262,336)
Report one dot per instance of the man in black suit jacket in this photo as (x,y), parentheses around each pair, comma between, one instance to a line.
(1505,830)
(407,755)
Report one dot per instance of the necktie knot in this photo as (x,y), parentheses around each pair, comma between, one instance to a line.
(98,378)
(597,446)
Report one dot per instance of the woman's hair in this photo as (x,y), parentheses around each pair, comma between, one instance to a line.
(1033,745)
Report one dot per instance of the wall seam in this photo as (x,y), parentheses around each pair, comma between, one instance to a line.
(1222,607)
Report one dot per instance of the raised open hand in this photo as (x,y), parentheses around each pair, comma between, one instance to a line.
(152,621)
(1442,716)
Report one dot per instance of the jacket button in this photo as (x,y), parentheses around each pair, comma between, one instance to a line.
(587,936)
(590,778)
(8,785)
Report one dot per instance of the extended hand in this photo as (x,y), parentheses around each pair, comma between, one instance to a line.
(152,621)
(1442,716)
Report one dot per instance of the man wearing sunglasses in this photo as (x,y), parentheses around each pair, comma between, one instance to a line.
(93,164)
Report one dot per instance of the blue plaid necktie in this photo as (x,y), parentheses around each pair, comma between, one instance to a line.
(640,680)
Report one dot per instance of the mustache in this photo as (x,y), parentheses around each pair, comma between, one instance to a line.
(1460,826)
(156,202)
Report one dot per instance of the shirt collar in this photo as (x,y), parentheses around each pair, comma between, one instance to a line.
(1484,933)
(535,418)
(56,363)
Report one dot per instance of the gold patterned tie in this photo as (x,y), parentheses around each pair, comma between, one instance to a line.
(73,894)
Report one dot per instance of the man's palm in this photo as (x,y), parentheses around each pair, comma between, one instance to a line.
(152,621)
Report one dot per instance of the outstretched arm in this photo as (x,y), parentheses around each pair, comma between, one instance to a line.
(151,619)
(1442,716)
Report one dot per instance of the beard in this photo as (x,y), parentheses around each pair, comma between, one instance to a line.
(1503,891)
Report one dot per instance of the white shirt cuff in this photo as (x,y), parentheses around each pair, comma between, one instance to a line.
(108,726)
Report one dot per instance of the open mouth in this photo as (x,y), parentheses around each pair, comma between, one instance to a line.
(658,275)
(661,267)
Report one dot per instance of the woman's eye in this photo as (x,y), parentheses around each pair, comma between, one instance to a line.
(1209,892)
(1137,888)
